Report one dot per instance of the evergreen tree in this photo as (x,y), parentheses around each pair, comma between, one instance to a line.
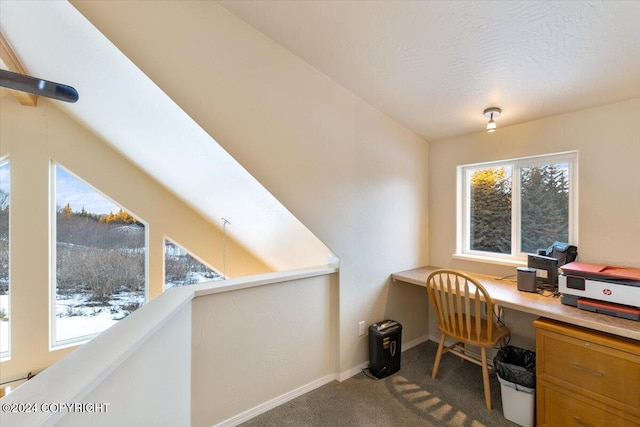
(545,206)
(491,211)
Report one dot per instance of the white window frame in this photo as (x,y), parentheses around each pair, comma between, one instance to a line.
(463,199)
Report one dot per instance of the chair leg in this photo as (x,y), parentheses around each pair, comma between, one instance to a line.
(438,356)
(485,378)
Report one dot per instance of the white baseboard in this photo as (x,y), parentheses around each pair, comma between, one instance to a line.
(357,369)
(353,371)
(415,342)
(255,411)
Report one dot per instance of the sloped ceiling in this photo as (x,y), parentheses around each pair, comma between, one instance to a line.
(434,66)
(125,108)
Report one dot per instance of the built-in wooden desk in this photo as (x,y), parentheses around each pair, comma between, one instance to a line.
(505,293)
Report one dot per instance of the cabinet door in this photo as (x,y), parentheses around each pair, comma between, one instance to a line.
(599,366)
(559,407)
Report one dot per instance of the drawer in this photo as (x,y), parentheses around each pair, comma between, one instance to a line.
(594,368)
(558,407)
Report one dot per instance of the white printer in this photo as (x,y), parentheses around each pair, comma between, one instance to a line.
(603,289)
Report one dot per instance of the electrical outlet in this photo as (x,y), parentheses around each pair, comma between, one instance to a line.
(361,328)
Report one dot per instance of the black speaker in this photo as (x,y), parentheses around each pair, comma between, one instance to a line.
(527,279)
(385,345)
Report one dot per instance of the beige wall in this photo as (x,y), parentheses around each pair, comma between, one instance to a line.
(381,198)
(377,195)
(208,354)
(256,347)
(355,177)
(32,137)
(607,139)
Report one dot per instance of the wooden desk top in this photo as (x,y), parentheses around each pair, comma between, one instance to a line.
(505,293)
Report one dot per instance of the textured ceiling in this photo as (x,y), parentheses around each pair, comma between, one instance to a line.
(434,66)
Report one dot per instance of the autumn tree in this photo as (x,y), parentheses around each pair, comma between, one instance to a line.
(122,217)
(67,212)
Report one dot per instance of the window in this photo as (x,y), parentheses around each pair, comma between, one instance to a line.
(180,268)
(100,258)
(511,208)
(4,259)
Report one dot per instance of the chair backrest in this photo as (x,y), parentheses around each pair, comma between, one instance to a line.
(453,295)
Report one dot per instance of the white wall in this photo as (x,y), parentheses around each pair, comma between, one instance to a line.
(256,347)
(32,137)
(353,176)
(607,139)
(137,373)
(152,387)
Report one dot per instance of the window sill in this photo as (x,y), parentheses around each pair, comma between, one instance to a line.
(511,262)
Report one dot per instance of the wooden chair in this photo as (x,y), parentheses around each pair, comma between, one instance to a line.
(458,300)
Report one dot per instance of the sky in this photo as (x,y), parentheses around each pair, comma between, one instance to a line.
(4,177)
(71,189)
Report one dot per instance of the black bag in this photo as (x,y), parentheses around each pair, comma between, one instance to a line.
(516,365)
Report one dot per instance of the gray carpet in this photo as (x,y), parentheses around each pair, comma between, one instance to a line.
(407,398)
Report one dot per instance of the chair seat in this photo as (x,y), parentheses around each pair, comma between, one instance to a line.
(456,298)
(481,339)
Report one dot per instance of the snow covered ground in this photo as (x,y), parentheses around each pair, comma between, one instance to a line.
(77,316)
(4,325)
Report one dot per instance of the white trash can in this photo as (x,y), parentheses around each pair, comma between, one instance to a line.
(518,403)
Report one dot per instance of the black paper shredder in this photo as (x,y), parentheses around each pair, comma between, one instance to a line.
(385,344)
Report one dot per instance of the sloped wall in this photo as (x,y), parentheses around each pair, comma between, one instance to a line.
(32,137)
(353,176)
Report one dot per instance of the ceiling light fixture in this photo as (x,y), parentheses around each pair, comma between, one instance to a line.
(491,113)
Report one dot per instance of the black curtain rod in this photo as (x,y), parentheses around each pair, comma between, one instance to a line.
(36,86)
